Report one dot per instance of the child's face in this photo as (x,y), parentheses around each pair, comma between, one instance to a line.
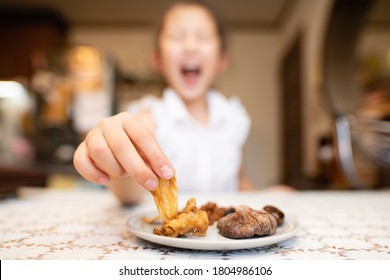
(189,54)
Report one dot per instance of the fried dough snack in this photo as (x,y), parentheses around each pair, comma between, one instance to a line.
(165,197)
(191,221)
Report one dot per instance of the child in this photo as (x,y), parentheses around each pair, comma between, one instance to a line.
(192,130)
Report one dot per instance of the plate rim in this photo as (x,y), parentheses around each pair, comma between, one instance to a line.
(215,245)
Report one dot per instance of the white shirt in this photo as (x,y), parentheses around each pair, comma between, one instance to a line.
(205,157)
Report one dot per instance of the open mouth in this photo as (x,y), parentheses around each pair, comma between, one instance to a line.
(190,73)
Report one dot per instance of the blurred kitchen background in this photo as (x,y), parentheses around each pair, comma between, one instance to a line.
(313,75)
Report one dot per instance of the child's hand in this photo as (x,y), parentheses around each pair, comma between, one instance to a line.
(122,146)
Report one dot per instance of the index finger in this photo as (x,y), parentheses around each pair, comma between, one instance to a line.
(147,145)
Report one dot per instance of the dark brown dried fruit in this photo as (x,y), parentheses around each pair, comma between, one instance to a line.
(230,210)
(214,212)
(247,222)
(279,215)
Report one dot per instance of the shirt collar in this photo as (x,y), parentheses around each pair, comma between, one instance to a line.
(177,111)
(175,108)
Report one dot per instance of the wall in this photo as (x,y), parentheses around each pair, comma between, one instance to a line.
(128,45)
(252,77)
(310,19)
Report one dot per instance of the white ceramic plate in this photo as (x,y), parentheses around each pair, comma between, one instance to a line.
(213,240)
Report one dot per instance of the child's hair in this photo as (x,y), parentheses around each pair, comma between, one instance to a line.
(221,30)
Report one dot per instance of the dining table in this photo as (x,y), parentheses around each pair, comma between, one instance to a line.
(89,223)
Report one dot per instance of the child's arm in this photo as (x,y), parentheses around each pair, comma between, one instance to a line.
(122,152)
(244,183)
(126,190)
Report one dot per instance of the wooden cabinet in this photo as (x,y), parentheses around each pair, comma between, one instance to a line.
(23,31)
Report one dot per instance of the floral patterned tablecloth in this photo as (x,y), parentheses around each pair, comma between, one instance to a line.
(91,224)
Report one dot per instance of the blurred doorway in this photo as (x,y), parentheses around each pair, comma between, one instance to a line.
(291,108)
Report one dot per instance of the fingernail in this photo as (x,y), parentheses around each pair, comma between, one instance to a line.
(104,181)
(151,184)
(166,172)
